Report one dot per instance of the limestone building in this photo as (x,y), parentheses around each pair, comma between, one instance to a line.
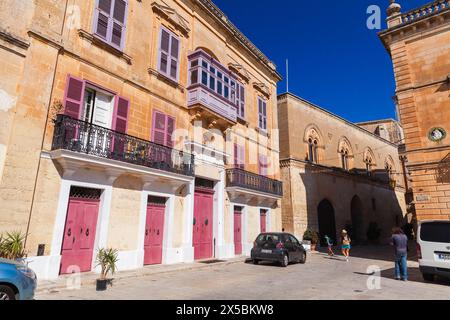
(144,126)
(336,174)
(418,42)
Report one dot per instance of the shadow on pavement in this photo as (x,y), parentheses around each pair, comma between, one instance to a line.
(377,252)
(414,275)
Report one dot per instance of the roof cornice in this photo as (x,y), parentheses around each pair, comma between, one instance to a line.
(220,17)
(349,123)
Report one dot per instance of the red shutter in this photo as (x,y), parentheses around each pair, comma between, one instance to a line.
(159,128)
(120,117)
(73,99)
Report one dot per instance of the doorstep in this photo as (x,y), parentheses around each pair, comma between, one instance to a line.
(89,278)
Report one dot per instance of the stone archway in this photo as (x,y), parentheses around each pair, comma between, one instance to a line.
(357,233)
(327,221)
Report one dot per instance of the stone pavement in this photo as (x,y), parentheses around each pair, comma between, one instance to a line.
(321,277)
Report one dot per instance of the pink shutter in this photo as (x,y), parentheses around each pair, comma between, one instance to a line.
(241,154)
(120,117)
(120,124)
(235,155)
(170,128)
(73,98)
(262,165)
(159,128)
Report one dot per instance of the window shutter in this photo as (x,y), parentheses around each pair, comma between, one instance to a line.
(263,165)
(174,52)
(120,118)
(169,132)
(102,12)
(236,155)
(164,51)
(241,157)
(73,99)
(118,23)
(159,128)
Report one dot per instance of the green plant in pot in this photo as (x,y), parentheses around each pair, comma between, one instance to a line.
(107,260)
(312,236)
(12,245)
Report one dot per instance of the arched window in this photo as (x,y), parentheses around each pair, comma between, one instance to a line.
(389,167)
(369,163)
(312,150)
(344,159)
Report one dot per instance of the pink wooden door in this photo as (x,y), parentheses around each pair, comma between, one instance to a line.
(263,221)
(154,234)
(79,235)
(203,223)
(237,232)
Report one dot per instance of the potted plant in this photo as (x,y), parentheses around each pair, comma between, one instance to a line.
(312,236)
(107,260)
(12,246)
(373,233)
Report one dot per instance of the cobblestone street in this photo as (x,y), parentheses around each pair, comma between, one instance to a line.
(320,278)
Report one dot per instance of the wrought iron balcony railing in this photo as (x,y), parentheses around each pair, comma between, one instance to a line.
(79,136)
(248,180)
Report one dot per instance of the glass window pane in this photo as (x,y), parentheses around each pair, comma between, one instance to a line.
(226,92)
(204,78)
(194,63)
(212,83)
(194,77)
(219,87)
(204,64)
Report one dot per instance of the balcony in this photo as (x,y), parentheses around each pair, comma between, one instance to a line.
(214,90)
(118,149)
(242,181)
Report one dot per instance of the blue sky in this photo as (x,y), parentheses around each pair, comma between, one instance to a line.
(335,61)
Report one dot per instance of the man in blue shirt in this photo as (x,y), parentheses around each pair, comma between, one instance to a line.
(400,242)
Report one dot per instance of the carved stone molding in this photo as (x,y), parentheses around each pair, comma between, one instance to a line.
(172,16)
(263,88)
(165,79)
(240,70)
(102,44)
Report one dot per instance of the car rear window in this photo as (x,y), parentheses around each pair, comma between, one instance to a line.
(435,232)
(268,237)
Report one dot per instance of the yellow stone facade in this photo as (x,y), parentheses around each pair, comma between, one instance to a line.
(419,45)
(55,39)
(356,198)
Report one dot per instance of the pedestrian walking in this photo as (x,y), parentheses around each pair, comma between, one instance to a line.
(400,242)
(330,245)
(345,244)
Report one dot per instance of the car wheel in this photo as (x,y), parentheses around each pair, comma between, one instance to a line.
(302,259)
(6,293)
(284,261)
(255,261)
(428,277)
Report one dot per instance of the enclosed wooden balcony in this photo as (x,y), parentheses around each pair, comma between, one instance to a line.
(214,92)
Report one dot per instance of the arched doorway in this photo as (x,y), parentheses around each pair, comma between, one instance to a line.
(357,233)
(327,222)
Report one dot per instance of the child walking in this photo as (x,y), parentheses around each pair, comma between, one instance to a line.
(345,240)
(330,245)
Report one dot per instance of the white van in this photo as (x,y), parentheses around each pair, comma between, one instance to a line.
(433,248)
